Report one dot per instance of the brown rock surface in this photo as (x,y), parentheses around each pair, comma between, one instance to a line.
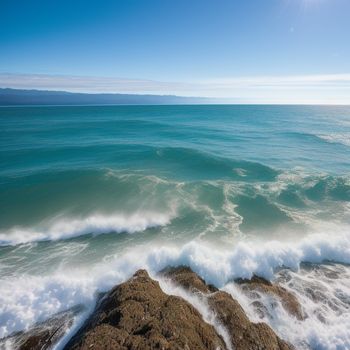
(288,300)
(138,315)
(244,335)
(189,280)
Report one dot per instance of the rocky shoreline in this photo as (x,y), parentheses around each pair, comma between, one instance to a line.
(139,315)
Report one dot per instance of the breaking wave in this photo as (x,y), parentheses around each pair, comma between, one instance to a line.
(341,138)
(118,202)
(27,299)
(95,225)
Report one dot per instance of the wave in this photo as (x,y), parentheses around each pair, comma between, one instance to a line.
(96,202)
(323,292)
(205,165)
(94,224)
(340,138)
(27,299)
(186,163)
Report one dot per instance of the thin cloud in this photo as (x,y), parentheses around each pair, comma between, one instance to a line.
(323,88)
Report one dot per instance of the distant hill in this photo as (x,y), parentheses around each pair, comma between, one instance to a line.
(12,97)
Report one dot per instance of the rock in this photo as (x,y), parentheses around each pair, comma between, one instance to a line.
(44,335)
(244,335)
(189,280)
(138,315)
(259,284)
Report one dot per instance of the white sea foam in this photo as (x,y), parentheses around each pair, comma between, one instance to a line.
(325,302)
(95,224)
(27,299)
(342,138)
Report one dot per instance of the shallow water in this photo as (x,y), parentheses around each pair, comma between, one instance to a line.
(89,194)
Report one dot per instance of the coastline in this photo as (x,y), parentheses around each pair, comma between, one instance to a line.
(178,310)
(92,195)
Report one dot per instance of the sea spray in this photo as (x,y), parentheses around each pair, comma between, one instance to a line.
(91,194)
(27,299)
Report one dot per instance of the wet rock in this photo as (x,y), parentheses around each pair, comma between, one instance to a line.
(138,315)
(244,335)
(44,335)
(189,280)
(260,309)
(260,285)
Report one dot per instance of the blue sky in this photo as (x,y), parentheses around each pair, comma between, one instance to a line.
(249,50)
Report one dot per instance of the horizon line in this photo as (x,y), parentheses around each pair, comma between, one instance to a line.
(320,89)
(215,100)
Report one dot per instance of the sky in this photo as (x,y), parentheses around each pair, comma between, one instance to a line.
(253,51)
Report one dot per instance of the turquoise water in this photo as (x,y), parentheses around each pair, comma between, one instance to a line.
(60,159)
(91,189)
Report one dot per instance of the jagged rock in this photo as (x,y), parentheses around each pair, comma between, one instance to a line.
(138,315)
(189,280)
(244,335)
(44,335)
(259,284)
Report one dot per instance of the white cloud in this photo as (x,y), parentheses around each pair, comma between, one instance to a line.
(325,88)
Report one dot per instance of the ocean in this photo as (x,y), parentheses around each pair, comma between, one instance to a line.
(89,194)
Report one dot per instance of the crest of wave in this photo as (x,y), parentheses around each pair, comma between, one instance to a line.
(27,299)
(96,224)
